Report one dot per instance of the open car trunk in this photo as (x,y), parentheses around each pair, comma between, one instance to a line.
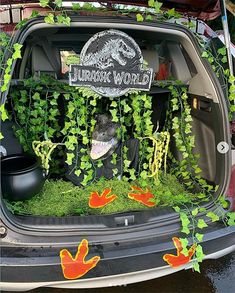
(173,54)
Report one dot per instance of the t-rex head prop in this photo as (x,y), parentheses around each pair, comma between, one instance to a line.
(104,137)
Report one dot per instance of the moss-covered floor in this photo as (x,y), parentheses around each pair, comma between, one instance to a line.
(61,198)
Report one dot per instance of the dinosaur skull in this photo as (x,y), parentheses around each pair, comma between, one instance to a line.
(122,48)
(104,138)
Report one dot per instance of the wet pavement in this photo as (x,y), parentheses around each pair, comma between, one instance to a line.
(216,276)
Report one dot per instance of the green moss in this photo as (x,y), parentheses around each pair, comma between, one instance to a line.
(61,198)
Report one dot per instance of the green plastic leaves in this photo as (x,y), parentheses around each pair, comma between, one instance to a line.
(185,223)
(17,51)
(7,72)
(58,3)
(231,218)
(139,17)
(199,236)
(212,216)
(43,3)
(63,19)
(184,243)
(195,212)
(49,18)
(76,6)
(156,5)
(201,224)
(3,113)
(199,253)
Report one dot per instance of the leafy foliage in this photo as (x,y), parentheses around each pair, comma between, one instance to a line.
(36,111)
(61,198)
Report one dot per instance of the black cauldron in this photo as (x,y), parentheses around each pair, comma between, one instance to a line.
(21,177)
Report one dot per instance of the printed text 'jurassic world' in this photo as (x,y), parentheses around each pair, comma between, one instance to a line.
(85,76)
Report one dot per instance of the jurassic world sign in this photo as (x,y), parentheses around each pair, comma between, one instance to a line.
(111,64)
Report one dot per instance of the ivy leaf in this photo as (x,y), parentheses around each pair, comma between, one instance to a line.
(195,212)
(93,102)
(199,253)
(199,236)
(9,61)
(213,216)
(76,6)
(3,112)
(222,51)
(58,3)
(201,224)
(60,18)
(151,3)
(34,14)
(139,17)
(43,3)
(197,170)
(70,157)
(196,266)
(126,108)
(4,87)
(185,230)
(7,78)
(201,195)
(231,218)
(224,59)
(78,172)
(205,54)
(185,223)
(114,115)
(85,140)
(21,23)
(1,136)
(231,79)
(113,104)
(157,7)
(67,21)
(143,174)
(127,163)
(149,17)
(17,53)
(177,209)
(87,6)
(184,243)
(49,18)
(171,12)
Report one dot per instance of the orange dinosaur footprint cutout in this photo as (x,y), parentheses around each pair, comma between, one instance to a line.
(74,268)
(180,259)
(144,197)
(98,201)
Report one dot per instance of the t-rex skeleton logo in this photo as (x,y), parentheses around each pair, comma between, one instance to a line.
(111,64)
(114,49)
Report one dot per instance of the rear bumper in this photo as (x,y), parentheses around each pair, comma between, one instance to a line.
(109,281)
(121,264)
